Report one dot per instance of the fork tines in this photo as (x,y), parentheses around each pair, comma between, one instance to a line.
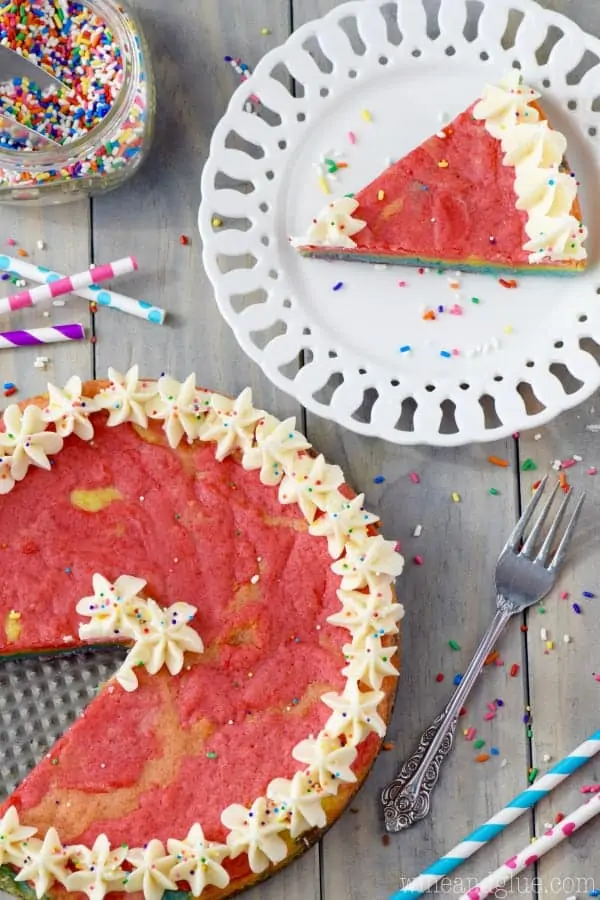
(532,540)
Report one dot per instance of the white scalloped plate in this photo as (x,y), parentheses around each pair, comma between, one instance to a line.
(524,354)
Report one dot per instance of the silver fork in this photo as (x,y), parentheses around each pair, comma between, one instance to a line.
(522,579)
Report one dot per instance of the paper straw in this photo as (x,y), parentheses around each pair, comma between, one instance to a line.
(68,284)
(140,308)
(53,334)
(533,852)
(494,826)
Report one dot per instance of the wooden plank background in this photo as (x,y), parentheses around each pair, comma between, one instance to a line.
(450,596)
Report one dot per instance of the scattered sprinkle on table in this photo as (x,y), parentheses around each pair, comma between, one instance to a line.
(455,497)
(457,678)
(532,775)
(528,465)
(588,594)
(379,479)
(494,751)
(265,32)
(494,492)
(418,560)
(216,222)
(470,733)
(454,645)
(338,286)
(184,240)
(483,757)
(403,284)
(496,461)
(414,478)
(565,595)
(366,115)
(592,470)
(445,353)
(508,283)
(439,677)
(352,137)
(514,670)
(405,348)
(576,608)
(491,658)
(479,743)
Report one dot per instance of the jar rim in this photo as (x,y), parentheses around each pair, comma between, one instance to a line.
(60,155)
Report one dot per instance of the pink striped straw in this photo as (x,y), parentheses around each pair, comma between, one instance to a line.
(67,285)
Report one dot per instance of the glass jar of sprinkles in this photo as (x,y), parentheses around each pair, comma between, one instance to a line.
(90,128)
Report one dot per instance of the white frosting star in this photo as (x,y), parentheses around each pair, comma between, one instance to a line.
(255,832)
(354,713)
(69,410)
(231,423)
(334,226)
(366,614)
(276,442)
(369,662)
(198,861)
(126,398)
(299,802)
(180,406)
(7,482)
(26,436)
(99,869)
(163,638)
(151,871)
(46,863)
(506,104)
(112,607)
(309,482)
(14,838)
(344,522)
(327,759)
(362,564)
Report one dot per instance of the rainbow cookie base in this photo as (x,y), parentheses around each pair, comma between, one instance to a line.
(473,265)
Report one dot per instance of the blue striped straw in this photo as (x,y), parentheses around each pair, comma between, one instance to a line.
(494,826)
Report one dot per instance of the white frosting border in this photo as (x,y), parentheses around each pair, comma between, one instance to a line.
(291,807)
(535,151)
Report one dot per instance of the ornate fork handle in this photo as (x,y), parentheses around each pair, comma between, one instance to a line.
(406,799)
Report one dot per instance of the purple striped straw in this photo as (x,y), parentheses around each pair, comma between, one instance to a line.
(53,334)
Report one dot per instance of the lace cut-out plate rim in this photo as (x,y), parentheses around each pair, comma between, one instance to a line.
(523,355)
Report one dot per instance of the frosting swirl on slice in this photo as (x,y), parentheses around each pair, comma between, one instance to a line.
(556,238)
(255,831)
(27,440)
(69,410)
(198,861)
(125,398)
(535,146)
(329,762)
(545,193)
(505,105)
(46,863)
(334,226)
(151,872)
(299,803)
(14,838)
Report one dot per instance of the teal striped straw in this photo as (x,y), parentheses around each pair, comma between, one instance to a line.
(496,825)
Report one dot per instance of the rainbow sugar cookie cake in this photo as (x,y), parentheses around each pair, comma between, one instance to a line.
(256,601)
(491,192)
